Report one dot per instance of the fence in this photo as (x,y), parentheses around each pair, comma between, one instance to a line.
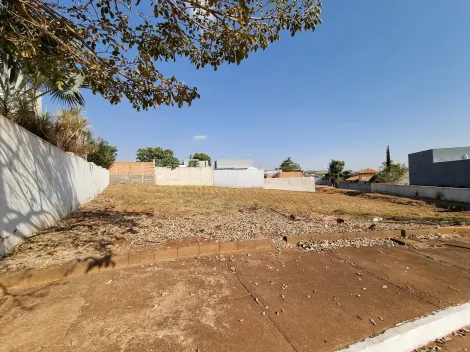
(184,176)
(132,172)
(461,195)
(249,178)
(304,184)
(39,184)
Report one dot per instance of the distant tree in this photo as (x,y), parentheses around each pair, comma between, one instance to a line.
(288,165)
(391,174)
(336,173)
(193,162)
(171,163)
(162,157)
(103,153)
(202,157)
(388,160)
(149,154)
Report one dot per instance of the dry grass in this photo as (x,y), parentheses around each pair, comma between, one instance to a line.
(135,217)
(163,201)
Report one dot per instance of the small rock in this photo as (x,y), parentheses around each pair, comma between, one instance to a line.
(264,313)
(282,310)
(364,288)
(358,295)
(372,321)
(241,320)
(381,318)
(308,296)
(108,282)
(407,268)
(384,286)
(256,283)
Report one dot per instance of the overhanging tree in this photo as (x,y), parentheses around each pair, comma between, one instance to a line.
(117,45)
(162,157)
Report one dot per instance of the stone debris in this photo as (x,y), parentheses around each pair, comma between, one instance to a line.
(241,320)
(263,313)
(108,282)
(384,286)
(372,321)
(318,246)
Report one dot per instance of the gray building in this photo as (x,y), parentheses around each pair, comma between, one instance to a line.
(446,167)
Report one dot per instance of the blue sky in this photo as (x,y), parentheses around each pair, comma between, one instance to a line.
(375,73)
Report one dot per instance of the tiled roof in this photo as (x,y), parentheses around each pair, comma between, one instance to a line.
(353,178)
(367,171)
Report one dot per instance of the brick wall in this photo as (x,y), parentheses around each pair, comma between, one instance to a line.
(290,174)
(132,171)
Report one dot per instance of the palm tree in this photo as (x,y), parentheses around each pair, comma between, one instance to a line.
(20,90)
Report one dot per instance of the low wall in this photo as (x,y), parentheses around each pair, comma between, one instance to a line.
(132,172)
(184,176)
(249,178)
(461,195)
(291,174)
(361,187)
(304,184)
(39,184)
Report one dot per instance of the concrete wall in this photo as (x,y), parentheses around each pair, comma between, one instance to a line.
(428,168)
(461,195)
(39,184)
(305,184)
(184,176)
(249,178)
(361,187)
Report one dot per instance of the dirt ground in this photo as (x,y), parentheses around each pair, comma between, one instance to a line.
(133,217)
(253,301)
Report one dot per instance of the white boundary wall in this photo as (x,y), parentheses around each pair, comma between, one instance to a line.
(39,184)
(302,184)
(248,178)
(461,195)
(184,176)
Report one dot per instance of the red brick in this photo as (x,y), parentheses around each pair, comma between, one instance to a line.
(15,280)
(336,236)
(209,248)
(139,258)
(228,247)
(47,274)
(375,234)
(349,235)
(166,254)
(323,237)
(362,234)
(188,251)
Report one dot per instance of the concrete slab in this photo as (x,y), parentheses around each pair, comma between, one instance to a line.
(317,300)
(452,255)
(433,281)
(216,303)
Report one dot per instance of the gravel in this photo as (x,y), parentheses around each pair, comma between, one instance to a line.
(96,233)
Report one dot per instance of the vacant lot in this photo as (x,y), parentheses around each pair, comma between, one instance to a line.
(136,216)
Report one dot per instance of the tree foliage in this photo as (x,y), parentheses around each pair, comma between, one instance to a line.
(162,157)
(193,163)
(19,91)
(336,173)
(116,46)
(391,174)
(201,157)
(388,160)
(149,154)
(103,154)
(288,165)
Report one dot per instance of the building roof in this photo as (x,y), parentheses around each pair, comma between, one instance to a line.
(367,178)
(367,171)
(353,178)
